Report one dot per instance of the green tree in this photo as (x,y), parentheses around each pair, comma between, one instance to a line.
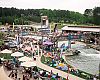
(96,15)
(1,35)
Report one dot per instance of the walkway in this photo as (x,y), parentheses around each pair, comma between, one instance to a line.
(61,73)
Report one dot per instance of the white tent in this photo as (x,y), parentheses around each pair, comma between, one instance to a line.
(6,51)
(17,54)
(25,58)
(3,75)
(28,64)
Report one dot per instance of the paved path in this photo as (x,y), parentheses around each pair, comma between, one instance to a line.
(61,73)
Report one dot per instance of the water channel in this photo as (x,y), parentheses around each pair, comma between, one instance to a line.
(88,60)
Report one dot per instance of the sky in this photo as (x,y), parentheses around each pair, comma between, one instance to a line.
(72,5)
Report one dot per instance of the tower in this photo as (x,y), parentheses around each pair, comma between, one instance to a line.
(44,22)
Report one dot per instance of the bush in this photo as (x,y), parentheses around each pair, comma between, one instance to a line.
(6,56)
(42,59)
(1,42)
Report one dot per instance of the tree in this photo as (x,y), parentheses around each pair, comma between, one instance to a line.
(10,15)
(96,15)
(88,12)
(1,35)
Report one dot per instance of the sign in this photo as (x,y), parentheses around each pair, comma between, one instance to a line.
(72,36)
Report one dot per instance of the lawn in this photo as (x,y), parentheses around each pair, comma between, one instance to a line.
(5,56)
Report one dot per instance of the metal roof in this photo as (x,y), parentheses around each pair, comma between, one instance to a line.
(81,29)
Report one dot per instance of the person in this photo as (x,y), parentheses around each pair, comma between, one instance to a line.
(94,78)
(16,74)
(11,73)
(0,61)
(67,78)
(57,76)
(44,73)
(35,75)
(13,76)
(49,76)
(27,76)
(23,77)
(51,72)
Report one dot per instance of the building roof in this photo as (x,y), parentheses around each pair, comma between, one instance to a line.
(84,26)
(81,29)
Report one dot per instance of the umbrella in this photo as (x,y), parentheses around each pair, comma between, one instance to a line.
(65,68)
(61,65)
(47,43)
(6,51)
(25,58)
(28,64)
(17,54)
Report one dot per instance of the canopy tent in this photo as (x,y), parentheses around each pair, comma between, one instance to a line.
(3,75)
(28,64)
(47,43)
(6,51)
(17,54)
(6,54)
(25,58)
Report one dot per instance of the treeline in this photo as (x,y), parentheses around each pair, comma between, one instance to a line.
(25,16)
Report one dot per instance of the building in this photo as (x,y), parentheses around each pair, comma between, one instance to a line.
(77,28)
(44,25)
(91,33)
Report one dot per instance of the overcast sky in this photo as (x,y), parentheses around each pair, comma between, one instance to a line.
(72,5)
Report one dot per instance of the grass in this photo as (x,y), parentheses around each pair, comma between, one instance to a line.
(5,56)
